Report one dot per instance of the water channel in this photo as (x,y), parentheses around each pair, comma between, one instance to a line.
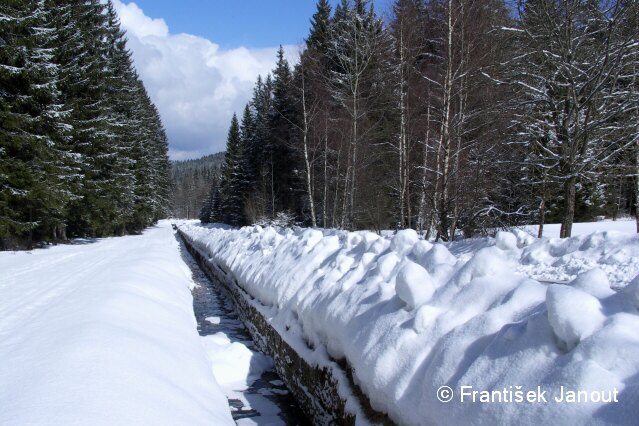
(266,401)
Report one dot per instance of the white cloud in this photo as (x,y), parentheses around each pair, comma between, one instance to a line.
(196,85)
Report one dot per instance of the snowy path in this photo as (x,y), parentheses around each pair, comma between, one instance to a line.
(256,397)
(103,333)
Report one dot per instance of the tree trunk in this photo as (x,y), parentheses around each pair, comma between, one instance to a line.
(569,207)
(30,228)
(307,164)
(445,133)
(402,133)
(272,190)
(542,217)
(336,195)
(309,188)
(325,203)
(351,213)
(637,190)
(421,219)
(346,189)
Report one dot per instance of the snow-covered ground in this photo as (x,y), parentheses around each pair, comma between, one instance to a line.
(104,333)
(551,230)
(480,315)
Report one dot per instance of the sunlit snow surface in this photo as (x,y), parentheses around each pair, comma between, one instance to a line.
(103,333)
(491,313)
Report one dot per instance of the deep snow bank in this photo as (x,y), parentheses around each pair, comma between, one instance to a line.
(104,333)
(410,316)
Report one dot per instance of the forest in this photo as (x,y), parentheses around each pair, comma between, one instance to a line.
(83,152)
(191,182)
(452,117)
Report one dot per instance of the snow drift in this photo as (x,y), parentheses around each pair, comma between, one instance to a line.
(410,316)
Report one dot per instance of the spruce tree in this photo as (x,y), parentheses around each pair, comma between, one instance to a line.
(319,36)
(82,56)
(81,145)
(280,156)
(207,207)
(34,173)
(233,181)
(216,215)
(247,130)
(123,96)
(261,105)
(358,79)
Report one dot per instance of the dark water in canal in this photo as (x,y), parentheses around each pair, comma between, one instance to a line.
(269,401)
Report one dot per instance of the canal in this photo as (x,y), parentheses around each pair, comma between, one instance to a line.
(265,400)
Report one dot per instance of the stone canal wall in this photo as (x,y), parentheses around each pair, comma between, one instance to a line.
(326,393)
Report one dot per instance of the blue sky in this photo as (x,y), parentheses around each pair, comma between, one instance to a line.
(251,23)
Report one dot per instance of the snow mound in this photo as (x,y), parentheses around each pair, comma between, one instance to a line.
(594,282)
(633,291)
(438,255)
(404,241)
(506,241)
(233,364)
(414,285)
(573,314)
(410,316)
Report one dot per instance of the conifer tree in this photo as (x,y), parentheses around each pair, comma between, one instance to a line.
(261,105)
(81,145)
(233,180)
(279,153)
(319,35)
(247,131)
(216,214)
(358,41)
(34,174)
(82,55)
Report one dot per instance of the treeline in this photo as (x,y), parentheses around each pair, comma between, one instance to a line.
(82,149)
(457,117)
(191,181)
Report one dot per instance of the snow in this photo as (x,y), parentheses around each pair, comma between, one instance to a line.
(213,320)
(573,314)
(104,333)
(234,365)
(236,368)
(410,316)
(414,285)
(555,259)
(594,282)
(633,291)
(628,226)
(506,241)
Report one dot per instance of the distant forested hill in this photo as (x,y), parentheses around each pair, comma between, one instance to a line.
(192,180)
